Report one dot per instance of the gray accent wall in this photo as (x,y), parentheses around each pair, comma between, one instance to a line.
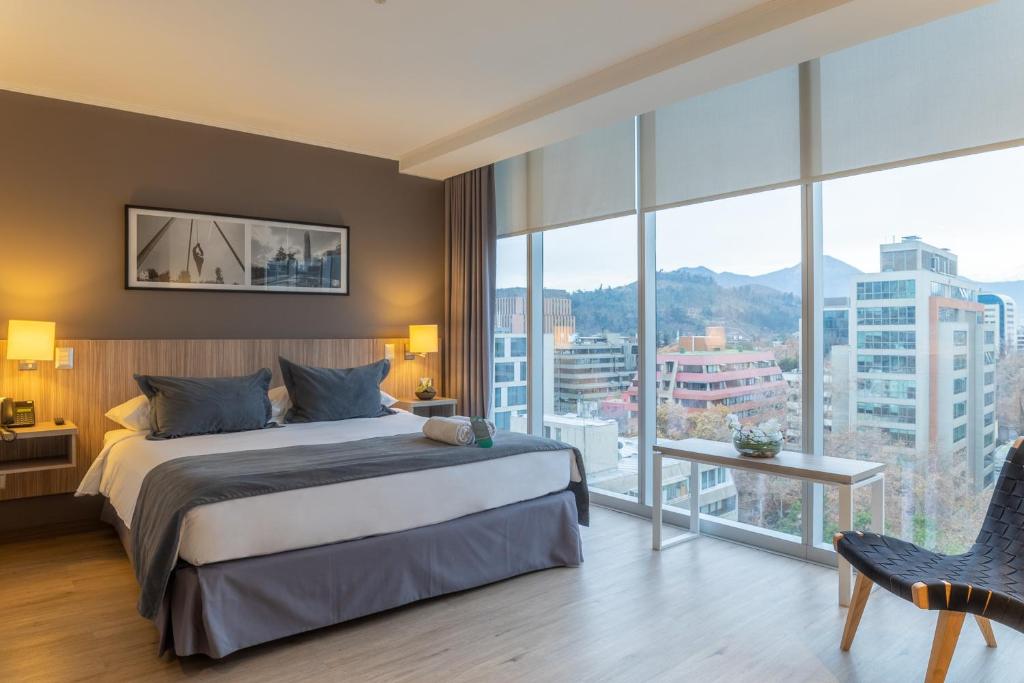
(67,170)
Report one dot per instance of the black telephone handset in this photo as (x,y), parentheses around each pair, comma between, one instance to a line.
(15,414)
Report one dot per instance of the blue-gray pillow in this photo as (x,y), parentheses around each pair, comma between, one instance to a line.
(326,394)
(188,406)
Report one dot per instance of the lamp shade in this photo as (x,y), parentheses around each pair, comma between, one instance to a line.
(422,338)
(30,340)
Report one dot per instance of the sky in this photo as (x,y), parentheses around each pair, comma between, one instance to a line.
(972,205)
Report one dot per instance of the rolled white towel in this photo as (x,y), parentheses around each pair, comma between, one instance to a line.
(449,430)
(490,425)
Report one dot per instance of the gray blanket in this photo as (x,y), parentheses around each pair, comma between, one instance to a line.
(173,488)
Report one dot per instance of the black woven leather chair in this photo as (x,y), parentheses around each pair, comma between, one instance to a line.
(986,581)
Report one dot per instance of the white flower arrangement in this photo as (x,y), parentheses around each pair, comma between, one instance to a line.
(765,440)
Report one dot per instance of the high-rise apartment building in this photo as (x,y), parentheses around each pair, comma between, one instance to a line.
(510,377)
(1001,312)
(920,365)
(591,369)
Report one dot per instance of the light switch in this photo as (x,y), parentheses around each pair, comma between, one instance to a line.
(389,351)
(64,358)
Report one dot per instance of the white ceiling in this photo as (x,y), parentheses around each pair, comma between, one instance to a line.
(441,85)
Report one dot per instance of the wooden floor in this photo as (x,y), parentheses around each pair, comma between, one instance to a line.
(707,611)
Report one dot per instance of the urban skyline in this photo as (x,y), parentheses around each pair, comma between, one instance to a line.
(923,386)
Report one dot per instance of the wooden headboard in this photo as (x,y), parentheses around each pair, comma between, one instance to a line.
(102,378)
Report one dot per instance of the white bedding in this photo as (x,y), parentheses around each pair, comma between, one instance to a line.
(303,518)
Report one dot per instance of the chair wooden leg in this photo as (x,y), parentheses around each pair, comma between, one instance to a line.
(947,632)
(861,591)
(986,630)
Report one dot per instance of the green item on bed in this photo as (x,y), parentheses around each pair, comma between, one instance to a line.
(481,432)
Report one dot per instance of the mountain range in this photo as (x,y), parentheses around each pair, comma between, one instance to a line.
(690,299)
(839,277)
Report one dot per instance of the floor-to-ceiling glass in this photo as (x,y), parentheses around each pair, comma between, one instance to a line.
(923,363)
(728,336)
(590,348)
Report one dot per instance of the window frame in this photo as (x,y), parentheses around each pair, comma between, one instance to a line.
(810,546)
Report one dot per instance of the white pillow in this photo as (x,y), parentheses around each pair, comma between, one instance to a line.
(280,402)
(132,414)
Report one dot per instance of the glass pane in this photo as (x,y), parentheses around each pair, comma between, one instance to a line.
(590,348)
(728,331)
(921,366)
(510,335)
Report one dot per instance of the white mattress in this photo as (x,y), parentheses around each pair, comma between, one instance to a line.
(303,518)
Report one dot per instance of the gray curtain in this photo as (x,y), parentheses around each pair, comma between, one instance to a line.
(470,253)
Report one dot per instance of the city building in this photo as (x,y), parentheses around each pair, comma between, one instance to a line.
(1001,311)
(920,365)
(591,369)
(510,313)
(835,323)
(612,464)
(510,378)
(749,383)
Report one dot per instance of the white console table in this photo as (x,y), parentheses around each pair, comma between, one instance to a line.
(844,473)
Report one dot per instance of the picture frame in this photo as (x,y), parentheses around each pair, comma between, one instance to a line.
(179,250)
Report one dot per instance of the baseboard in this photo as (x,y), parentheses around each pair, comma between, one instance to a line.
(46,516)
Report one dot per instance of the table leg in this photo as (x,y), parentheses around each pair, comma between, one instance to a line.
(656,503)
(878,504)
(845,524)
(695,497)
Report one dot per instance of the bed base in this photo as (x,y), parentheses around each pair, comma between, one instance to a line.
(217,609)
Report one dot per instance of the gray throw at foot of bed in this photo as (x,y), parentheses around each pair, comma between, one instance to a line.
(173,488)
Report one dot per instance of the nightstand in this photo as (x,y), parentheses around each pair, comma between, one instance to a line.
(435,407)
(46,446)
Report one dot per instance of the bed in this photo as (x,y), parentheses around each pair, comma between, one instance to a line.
(253,569)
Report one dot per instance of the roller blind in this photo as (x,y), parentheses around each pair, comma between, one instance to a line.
(954,84)
(586,178)
(738,138)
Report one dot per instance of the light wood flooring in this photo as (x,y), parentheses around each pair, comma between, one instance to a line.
(708,610)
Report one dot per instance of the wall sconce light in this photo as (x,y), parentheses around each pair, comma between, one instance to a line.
(29,341)
(422,340)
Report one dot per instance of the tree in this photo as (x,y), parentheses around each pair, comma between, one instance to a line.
(929,497)
(1010,391)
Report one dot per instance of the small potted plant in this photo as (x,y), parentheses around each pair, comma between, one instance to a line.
(763,441)
(425,391)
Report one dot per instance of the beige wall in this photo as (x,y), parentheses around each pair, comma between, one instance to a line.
(67,170)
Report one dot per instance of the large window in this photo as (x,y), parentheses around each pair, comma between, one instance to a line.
(728,331)
(590,330)
(510,332)
(766,224)
(959,216)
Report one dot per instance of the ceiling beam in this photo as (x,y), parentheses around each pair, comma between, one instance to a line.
(766,37)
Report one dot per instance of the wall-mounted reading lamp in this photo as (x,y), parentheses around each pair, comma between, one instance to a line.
(30,341)
(422,340)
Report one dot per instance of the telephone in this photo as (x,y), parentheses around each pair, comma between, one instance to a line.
(17,413)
